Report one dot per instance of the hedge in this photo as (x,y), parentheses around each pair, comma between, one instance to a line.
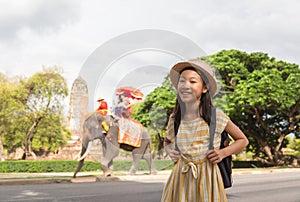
(31,166)
(42,166)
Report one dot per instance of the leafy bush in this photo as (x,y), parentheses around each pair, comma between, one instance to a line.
(31,166)
(45,166)
(70,166)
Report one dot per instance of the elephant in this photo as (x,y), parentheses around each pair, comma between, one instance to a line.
(92,129)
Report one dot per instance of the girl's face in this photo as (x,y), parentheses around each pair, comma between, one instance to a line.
(190,86)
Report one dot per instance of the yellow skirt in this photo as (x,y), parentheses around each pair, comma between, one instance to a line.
(197,181)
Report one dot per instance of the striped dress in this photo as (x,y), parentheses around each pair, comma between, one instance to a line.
(194,178)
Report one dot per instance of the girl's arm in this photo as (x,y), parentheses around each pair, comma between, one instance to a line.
(240,142)
(170,149)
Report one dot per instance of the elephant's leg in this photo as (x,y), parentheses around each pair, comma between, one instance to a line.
(145,150)
(136,159)
(108,169)
(110,165)
(105,170)
(110,153)
(148,158)
(80,164)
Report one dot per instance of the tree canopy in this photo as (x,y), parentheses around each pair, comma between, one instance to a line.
(262,96)
(33,112)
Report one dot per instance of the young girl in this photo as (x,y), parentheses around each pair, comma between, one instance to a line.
(196,176)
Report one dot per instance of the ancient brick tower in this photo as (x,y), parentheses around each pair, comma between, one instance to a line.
(78,107)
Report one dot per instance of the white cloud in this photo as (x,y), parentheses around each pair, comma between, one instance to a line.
(37,16)
(66,32)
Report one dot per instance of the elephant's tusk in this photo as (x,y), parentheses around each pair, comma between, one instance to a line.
(86,152)
(77,155)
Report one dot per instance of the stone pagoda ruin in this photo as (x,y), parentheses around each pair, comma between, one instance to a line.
(78,106)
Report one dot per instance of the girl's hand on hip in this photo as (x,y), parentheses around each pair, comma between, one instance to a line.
(174,155)
(214,156)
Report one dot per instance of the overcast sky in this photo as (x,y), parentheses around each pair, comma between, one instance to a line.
(37,33)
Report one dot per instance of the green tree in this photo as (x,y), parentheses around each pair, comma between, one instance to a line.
(50,135)
(154,112)
(11,109)
(261,95)
(45,93)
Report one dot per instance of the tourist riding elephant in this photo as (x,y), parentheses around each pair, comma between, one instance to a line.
(93,129)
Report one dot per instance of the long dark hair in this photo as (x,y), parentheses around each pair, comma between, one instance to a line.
(205,102)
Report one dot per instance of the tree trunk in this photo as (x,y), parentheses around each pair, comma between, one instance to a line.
(269,153)
(267,150)
(279,140)
(160,146)
(29,136)
(277,153)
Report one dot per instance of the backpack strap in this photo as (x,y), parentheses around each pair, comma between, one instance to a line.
(212,128)
(176,127)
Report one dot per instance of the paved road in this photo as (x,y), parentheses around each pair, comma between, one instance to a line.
(271,187)
(84,192)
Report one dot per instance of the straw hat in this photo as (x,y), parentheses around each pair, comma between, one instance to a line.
(200,65)
(100,99)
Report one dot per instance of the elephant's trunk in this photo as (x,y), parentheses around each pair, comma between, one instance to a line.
(87,151)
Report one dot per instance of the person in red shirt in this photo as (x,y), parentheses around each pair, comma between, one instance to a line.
(103,108)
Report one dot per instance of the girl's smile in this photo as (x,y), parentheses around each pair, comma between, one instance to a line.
(190,86)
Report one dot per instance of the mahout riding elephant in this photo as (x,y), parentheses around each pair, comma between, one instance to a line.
(92,129)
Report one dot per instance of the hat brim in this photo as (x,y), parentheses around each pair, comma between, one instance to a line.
(199,65)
